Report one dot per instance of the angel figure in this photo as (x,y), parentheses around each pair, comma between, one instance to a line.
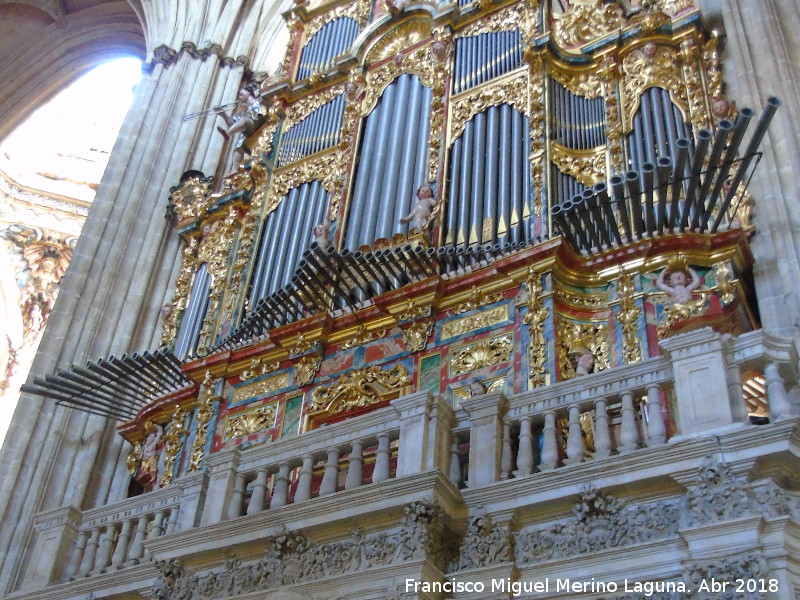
(321,233)
(477,388)
(582,361)
(678,282)
(421,212)
(242,120)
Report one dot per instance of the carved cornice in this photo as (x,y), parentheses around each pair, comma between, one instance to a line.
(166,56)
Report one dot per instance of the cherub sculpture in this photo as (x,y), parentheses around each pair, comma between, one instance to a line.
(582,361)
(678,281)
(321,234)
(423,209)
(477,388)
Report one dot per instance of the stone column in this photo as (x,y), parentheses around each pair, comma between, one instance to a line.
(193,496)
(763,59)
(126,260)
(485,436)
(413,412)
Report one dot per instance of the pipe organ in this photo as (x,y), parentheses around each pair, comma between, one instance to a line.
(585,170)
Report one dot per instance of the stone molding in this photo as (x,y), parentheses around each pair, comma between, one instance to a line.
(165,56)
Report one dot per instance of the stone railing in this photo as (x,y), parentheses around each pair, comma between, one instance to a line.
(698,381)
(410,437)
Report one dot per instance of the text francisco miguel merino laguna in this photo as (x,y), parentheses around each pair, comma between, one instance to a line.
(517,588)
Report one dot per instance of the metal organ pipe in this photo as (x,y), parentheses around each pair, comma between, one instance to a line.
(663,168)
(683,145)
(634,195)
(742,120)
(647,180)
(704,136)
(506,140)
(723,129)
(750,152)
(601,191)
(389,178)
(490,181)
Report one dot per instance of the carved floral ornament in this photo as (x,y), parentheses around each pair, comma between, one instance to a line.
(513,91)
(360,388)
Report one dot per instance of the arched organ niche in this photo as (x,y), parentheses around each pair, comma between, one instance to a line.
(286,233)
(480,58)
(195,313)
(392,162)
(317,132)
(331,41)
(489,187)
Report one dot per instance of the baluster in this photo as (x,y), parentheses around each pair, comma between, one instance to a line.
(77,554)
(627,436)
(91,551)
(330,480)
(172,523)
(259,491)
(549,446)
(736,393)
(525,451)
(137,547)
(455,465)
(280,489)
(656,432)
(575,445)
(602,437)
(381,470)
(505,456)
(121,551)
(354,469)
(104,548)
(158,525)
(776,393)
(304,481)
(237,498)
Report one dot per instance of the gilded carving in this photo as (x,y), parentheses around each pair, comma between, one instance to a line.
(576,340)
(537,119)
(172,445)
(417,333)
(535,319)
(415,62)
(583,83)
(260,388)
(214,251)
(477,299)
(205,409)
(485,318)
(302,345)
(585,22)
(256,368)
(652,66)
(720,107)
(191,198)
(412,311)
(306,368)
(359,388)
(513,91)
(482,353)
(134,457)
(591,301)
(407,34)
(325,168)
(506,19)
(170,313)
(358,11)
(609,76)
(694,84)
(362,336)
(439,54)
(299,110)
(724,276)
(674,7)
(587,166)
(679,294)
(628,317)
(266,133)
(252,421)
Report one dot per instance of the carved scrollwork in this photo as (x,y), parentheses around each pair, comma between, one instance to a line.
(717,494)
(513,91)
(483,353)
(359,388)
(535,319)
(652,66)
(578,337)
(583,83)
(170,313)
(587,166)
(173,439)
(326,168)
(306,368)
(191,198)
(205,408)
(485,543)
(628,317)
(358,11)
(517,16)
(299,110)
(586,22)
(415,62)
(252,421)
(486,318)
(477,299)
(417,333)
(538,115)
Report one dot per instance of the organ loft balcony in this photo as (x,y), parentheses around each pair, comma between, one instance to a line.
(467,266)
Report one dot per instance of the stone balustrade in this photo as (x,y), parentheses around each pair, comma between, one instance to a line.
(693,390)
